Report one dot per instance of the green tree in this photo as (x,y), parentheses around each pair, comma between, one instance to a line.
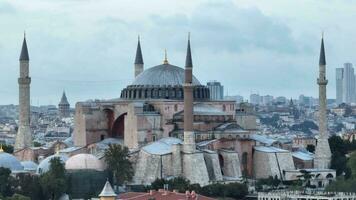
(8,148)
(18,197)
(30,186)
(6,182)
(117,159)
(53,182)
(352,165)
(305,177)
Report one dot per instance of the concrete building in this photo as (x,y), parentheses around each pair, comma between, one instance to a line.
(339,85)
(303,195)
(348,89)
(322,151)
(255,99)
(216,90)
(267,100)
(24,136)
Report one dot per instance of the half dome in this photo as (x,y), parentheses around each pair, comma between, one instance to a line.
(84,162)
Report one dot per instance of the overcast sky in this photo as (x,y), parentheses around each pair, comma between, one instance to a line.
(87,47)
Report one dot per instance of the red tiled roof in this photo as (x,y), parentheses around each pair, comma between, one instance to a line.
(162,195)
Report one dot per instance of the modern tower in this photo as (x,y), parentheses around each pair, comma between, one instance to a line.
(348,83)
(339,85)
(322,152)
(24,137)
(138,59)
(63,106)
(189,136)
(216,90)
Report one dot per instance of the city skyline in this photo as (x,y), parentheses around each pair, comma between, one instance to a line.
(91,56)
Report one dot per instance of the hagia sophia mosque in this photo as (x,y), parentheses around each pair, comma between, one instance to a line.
(171,127)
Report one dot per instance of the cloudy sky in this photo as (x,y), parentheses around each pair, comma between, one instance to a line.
(87,47)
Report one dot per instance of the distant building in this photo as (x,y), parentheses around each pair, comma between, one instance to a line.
(63,107)
(267,100)
(216,90)
(237,98)
(255,99)
(339,85)
(348,84)
(296,195)
(280,99)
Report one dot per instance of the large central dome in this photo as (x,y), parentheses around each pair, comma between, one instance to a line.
(163,75)
(162,82)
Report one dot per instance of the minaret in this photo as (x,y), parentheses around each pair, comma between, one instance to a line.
(24,137)
(138,59)
(189,136)
(322,153)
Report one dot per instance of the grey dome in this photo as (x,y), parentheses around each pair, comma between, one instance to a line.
(43,167)
(9,161)
(29,165)
(163,75)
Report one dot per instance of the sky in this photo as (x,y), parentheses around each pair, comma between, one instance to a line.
(87,47)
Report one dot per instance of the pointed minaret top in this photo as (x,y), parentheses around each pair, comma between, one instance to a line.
(188,59)
(24,52)
(322,60)
(138,59)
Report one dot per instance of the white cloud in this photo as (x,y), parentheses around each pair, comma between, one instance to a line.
(83,45)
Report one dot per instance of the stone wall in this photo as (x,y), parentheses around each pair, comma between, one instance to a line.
(231,163)
(194,168)
(272,164)
(213,166)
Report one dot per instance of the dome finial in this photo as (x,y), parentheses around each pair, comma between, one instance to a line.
(165,61)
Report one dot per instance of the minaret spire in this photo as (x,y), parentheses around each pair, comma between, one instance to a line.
(138,59)
(322,151)
(24,51)
(189,136)
(322,60)
(24,137)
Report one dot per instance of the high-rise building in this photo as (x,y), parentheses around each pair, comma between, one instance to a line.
(348,84)
(216,90)
(267,100)
(24,137)
(255,99)
(339,84)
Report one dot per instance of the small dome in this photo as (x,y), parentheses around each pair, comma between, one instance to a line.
(163,75)
(9,161)
(43,167)
(84,161)
(29,165)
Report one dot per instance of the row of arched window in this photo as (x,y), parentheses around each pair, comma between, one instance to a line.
(200,92)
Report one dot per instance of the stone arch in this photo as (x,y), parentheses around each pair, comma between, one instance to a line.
(118,127)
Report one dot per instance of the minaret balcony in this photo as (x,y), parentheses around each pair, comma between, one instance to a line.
(24,81)
(322,81)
